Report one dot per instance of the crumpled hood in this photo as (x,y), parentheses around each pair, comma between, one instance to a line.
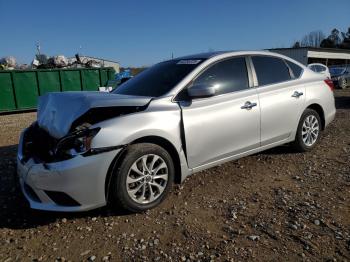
(57,111)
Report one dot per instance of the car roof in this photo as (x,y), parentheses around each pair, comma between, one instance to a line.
(203,55)
(212,57)
(214,54)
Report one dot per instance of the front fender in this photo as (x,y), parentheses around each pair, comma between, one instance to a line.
(126,129)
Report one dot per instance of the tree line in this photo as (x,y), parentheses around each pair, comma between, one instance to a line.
(336,39)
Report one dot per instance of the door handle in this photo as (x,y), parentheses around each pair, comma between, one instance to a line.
(297,94)
(248,105)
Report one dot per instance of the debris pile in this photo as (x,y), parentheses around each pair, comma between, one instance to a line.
(42,61)
(7,63)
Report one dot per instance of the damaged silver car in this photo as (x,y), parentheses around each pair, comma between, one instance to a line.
(178,117)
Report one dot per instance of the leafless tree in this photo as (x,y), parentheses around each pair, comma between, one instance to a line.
(312,39)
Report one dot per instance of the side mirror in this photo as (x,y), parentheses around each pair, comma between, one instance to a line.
(201,90)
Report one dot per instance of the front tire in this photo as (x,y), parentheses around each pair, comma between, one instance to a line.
(308,132)
(143,178)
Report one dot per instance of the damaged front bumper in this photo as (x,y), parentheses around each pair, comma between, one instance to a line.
(76,184)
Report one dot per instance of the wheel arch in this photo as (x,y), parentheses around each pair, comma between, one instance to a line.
(169,147)
(160,141)
(318,108)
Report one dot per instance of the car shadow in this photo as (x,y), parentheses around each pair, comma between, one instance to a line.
(15,212)
(342,102)
(280,150)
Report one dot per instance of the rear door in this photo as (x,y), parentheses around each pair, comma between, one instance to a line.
(281,97)
(221,126)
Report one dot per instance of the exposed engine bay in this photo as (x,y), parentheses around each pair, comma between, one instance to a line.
(63,129)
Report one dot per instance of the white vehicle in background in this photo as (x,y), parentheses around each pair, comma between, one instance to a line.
(340,76)
(320,68)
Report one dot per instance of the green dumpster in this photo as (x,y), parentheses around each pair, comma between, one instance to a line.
(19,89)
(26,89)
(71,80)
(49,82)
(7,95)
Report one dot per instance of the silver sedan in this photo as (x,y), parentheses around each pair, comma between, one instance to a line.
(176,118)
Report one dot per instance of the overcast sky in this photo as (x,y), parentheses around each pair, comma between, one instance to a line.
(137,33)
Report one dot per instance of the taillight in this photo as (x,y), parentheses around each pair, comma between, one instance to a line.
(329,83)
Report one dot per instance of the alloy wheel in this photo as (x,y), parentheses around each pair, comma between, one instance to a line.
(343,83)
(147,179)
(310,130)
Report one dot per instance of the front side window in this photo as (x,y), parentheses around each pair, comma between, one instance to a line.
(225,76)
(270,70)
(158,79)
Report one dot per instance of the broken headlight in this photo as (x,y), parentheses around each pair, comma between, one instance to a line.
(76,142)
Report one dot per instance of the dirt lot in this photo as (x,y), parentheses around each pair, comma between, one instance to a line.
(278,205)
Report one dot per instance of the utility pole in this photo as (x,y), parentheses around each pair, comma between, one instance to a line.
(38,47)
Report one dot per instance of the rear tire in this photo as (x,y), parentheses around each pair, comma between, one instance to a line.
(308,132)
(143,178)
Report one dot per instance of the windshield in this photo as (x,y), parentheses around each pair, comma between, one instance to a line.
(158,79)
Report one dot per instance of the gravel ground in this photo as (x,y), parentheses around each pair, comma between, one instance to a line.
(278,205)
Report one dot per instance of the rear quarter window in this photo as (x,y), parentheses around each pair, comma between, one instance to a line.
(320,68)
(270,70)
(297,70)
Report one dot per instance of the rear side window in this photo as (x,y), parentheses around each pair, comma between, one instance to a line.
(226,76)
(295,69)
(313,68)
(270,70)
(320,68)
